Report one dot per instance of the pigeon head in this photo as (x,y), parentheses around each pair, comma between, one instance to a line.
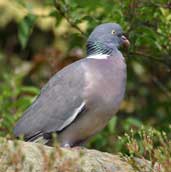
(106,38)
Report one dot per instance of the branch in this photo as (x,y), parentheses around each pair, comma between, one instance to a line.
(166,60)
(162,86)
(63,13)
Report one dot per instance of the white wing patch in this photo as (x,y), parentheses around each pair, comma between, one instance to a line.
(98,56)
(73,116)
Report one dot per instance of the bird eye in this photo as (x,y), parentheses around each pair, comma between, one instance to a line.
(113,32)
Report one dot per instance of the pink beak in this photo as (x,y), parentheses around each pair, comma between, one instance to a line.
(126,42)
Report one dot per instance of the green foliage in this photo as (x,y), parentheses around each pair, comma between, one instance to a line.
(150,144)
(25,28)
(14,99)
(13,103)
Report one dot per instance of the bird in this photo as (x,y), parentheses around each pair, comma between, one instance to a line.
(79,100)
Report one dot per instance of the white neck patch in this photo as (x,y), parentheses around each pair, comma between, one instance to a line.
(98,56)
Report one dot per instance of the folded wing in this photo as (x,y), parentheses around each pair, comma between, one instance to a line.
(58,104)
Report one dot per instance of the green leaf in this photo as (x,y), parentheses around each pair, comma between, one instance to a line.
(112,125)
(58,17)
(23,103)
(25,28)
(131,122)
(29,89)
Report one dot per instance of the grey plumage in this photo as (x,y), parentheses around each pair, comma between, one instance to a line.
(80,99)
(51,109)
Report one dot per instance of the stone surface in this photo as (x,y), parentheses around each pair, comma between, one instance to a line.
(21,156)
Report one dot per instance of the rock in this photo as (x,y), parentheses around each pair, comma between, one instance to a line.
(19,156)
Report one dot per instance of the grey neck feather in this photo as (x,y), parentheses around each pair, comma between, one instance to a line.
(99,48)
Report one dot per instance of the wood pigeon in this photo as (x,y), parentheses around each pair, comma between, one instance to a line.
(79,100)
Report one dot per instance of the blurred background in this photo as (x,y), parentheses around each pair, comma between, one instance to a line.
(39,37)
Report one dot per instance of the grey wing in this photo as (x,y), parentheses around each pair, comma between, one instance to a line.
(58,104)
